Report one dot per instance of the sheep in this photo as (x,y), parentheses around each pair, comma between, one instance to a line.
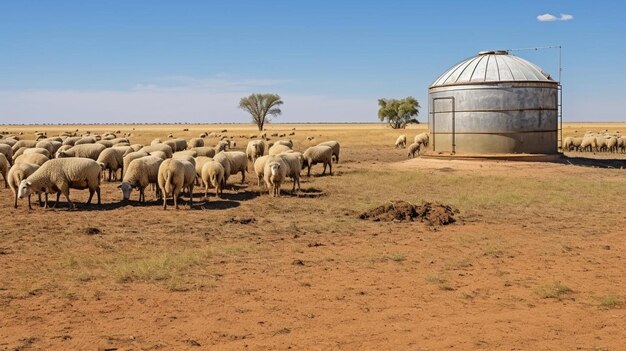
(195,142)
(59,175)
(611,144)
(7,151)
(141,172)
(181,144)
(274,174)
(128,158)
(255,149)
(335,146)
(238,162)
(37,159)
(158,147)
(91,150)
(600,143)
(118,141)
(159,154)
(318,154)
(414,149)
(112,159)
(171,144)
(422,138)
(200,161)
(17,153)
(621,143)
(174,176)
(136,147)
(278,149)
(285,142)
(50,145)
(212,172)
(24,143)
(191,153)
(71,140)
(294,161)
(222,146)
(588,143)
(401,142)
(9,141)
(86,140)
(4,168)
(184,157)
(155,141)
(18,173)
(106,143)
(204,151)
(37,150)
(259,166)
(571,143)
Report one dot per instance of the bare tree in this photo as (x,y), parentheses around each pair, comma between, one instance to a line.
(261,106)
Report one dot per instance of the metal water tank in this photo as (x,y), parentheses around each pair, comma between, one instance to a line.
(494,103)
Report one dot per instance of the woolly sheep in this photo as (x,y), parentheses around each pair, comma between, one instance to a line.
(285,142)
(37,150)
(24,143)
(19,152)
(401,142)
(600,143)
(195,142)
(255,149)
(51,146)
(191,153)
(181,144)
(118,141)
(571,143)
(274,174)
(238,163)
(59,175)
(141,172)
(222,146)
(90,150)
(136,147)
(414,149)
(86,140)
(71,140)
(158,147)
(7,151)
(318,154)
(200,161)
(18,173)
(611,144)
(112,159)
(176,176)
(155,141)
(259,166)
(277,149)
(294,161)
(185,157)
(128,158)
(422,138)
(37,159)
(588,143)
(159,154)
(4,168)
(106,143)
(335,146)
(171,144)
(212,173)
(204,151)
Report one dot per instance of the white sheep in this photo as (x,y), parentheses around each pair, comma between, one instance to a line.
(4,168)
(155,141)
(335,146)
(18,173)
(86,140)
(195,142)
(588,143)
(401,142)
(181,144)
(238,162)
(255,149)
(278,149)
(414,149)
(285,142)
(184,157)
(200,161)
(159,154)
(274,174)
(140,173)
(192,153)
(212,173)
(204,151)
(318,154)
(176,176)
(59,175)
(172,144)
(37,159)
(51,145)
(112,159)
(294,161)
(223,145)
(24,143)
(71,140)
(37,150)
(90,150)
(422,138)
(129,157)
(259,166)
(7,151)
(159,147)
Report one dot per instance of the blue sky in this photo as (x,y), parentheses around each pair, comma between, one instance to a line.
(191,61)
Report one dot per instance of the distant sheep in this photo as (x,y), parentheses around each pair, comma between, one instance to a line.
(255,149)
(195,142)
(401,142)
(414,149)
(91,151)
(318,154)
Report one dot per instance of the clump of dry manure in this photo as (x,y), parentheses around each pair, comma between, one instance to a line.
(92,231)
(400,211)
(237,220)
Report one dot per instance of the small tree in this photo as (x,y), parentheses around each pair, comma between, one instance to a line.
(398,112)
(260,106)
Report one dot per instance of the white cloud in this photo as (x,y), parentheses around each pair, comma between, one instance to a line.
(546,17)
(168,106)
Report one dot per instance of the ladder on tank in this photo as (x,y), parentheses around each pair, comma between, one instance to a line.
(559,116)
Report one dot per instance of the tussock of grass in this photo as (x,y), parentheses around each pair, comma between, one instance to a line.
(611,301)
(154,268)
(555,290)
(434,279)
(397,257)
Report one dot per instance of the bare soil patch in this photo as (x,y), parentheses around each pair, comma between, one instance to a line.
(399,211)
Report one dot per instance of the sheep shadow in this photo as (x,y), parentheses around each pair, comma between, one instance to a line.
(240,196)
(592,162)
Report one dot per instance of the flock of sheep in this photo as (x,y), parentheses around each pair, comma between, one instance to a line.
(598,142)
(420,140)
(54,165)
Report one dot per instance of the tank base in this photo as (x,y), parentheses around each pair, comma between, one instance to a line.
(496,157)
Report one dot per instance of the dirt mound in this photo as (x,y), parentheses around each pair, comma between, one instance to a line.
(399,211)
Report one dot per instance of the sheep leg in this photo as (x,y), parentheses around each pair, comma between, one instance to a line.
(243,176)
(175,196)
(58,199)
(15,204)
(66,193)
(190,196)
(330,166)
(324,172)
(90,196)
(308,174)
(98,193)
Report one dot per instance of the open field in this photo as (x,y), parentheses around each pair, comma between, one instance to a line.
(537,260)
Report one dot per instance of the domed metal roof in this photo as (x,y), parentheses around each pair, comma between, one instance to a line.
(492,66)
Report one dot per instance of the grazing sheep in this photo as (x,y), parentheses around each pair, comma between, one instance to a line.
(200,161)
(176,176)
(588,143)
(212,173)
(621,144)
(37,159)
(155,141)
(159,147)
(172,144)
(255,149)
(4,168)
(185,157)
(112,159)
(37,150)
(24,143)
(19,152)
(128,158)
(285,142)
(278,149)
(401,142)
(7,151)
(91,151)
(191,153)
(61,175)
(422,138)
(414,149)
(294,160)
(141,172)
(50,145)
(106,143)
(118,141)
(86,140)
(259,166)
(18,173)
(274,174)
(222,146)
(335,146)
(600,143)
(571,143)
(611,144)
(238,163)
(136,147)
(204,151)
(195,142)
(71,140)
(181,144)
(159,154)
(318,154)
